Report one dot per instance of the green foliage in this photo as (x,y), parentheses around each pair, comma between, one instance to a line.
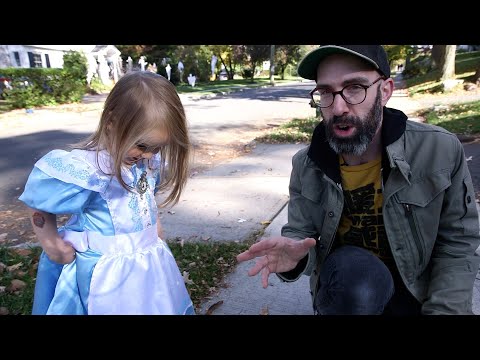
(419,66)
(397,53)
(75,64)
(39,87)
(247,73)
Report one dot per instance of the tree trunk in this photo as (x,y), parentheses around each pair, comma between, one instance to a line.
(438,56)
(476,77)
(272,65)
(282,71)
(448,68)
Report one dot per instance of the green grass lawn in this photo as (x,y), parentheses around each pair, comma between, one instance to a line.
(459,119)
(465,66)
(226,85)
(294,131)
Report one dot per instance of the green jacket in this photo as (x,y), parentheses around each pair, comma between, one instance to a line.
(429,211)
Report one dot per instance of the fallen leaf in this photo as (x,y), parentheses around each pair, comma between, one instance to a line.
(264,311)
(4,311)
(213,307)
(186,278)
(16,285)
(206,238)
(265,222)
(14,267)
(23,252)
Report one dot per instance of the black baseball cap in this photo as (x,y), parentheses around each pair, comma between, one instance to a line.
(372,54)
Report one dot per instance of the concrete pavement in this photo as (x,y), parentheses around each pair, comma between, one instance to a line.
(230,201)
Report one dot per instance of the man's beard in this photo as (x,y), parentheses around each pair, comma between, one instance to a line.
(364,130)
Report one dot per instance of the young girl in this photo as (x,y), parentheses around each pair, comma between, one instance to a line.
(109,257)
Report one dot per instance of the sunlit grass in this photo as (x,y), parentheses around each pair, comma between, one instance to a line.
(459,119)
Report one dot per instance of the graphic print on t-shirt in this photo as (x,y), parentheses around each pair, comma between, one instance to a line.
(362,221)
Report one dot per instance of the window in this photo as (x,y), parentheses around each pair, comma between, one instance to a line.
(35,60)
(47,60)
(17,58)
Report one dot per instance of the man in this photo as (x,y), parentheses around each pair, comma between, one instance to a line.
(382,212)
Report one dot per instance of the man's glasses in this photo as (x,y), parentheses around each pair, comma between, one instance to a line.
(148,149)
(353,94)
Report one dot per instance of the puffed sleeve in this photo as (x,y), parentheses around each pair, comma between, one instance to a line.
(46,193)
(62,183)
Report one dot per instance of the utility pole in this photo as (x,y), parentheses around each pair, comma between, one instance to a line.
(272,65)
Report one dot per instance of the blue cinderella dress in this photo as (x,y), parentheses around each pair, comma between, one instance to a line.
(121,265)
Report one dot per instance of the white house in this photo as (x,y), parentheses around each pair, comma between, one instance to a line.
(51,56)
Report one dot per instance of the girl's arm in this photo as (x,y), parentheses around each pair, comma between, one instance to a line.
(160,228)
(45,227)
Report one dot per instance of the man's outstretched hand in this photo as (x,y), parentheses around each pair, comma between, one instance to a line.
(276,254)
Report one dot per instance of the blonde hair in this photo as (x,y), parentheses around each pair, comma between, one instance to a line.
(140,102)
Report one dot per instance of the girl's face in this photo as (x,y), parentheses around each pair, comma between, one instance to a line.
(146,147)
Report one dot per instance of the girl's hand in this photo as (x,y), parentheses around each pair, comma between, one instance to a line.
(45,227)
(59,251)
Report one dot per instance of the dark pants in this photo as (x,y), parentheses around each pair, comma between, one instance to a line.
(353,281)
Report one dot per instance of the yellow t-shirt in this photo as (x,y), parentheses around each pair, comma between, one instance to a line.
(361,223)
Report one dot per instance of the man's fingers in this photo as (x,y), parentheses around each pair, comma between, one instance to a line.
(259,265)
(308,243)
(258,249)
(265,274)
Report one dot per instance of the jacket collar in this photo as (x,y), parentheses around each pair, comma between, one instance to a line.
(393,127)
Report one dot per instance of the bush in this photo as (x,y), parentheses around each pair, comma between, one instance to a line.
(247,73)
(419,66)
(40,87)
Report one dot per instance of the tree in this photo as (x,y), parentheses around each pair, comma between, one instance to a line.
(134,51)
(272,64)
(397,53)
(257,54)
(438,56)
(230,56)
(288,55)
(448,68)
